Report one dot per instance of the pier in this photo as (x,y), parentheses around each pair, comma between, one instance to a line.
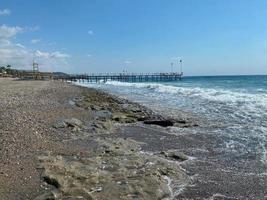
(122,77)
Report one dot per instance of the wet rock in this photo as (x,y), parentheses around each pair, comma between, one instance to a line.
(107,107)
(123,118)
(184,124)
(163,123)
(181,121)
(176,155)
(115,170)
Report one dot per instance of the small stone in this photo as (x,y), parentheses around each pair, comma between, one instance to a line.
(60,125)
(72,103)
(73,122)
(103,115)
(46,196)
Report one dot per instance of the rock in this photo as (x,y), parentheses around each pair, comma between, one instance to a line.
(51,181)
(175,155)
(114,170)
(181,121)
(73,122)
(122,118)
(95,107)
(72,103)
(163,123)
(185,124)
(76,129)
(60,125)
(103,115)
(46,196)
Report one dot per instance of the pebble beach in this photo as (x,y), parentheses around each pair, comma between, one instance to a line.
(63,141)
(60,141)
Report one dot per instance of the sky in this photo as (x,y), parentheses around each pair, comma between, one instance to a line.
(212,37)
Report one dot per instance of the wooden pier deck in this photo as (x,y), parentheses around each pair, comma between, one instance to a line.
(123,77)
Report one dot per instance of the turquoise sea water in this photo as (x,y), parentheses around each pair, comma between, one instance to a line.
(234,108)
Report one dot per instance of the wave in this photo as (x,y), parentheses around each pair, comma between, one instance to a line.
(220,95)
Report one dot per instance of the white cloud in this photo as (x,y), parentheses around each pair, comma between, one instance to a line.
(34,41)
(20,45)
(19,56)
(176,58)
(127,62)
(7,32)
(47,55)
(89,55)
(90,32)
(14,54)
(41,54)
(5,12)
(58,54)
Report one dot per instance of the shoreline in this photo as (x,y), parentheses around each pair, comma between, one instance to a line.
(76,125)
(62,141)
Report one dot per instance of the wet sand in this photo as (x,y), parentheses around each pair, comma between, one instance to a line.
(60,141)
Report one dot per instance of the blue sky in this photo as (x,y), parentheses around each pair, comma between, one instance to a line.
(213,37)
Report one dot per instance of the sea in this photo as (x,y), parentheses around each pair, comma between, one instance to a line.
(231,109)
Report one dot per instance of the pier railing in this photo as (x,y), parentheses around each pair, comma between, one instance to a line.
(122,77)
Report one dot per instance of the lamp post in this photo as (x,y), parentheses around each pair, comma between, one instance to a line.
(181,66)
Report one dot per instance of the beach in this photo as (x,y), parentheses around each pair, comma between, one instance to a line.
(57,144)
(62,141)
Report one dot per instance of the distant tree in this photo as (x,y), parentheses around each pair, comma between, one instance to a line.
(2,69)
(8,69)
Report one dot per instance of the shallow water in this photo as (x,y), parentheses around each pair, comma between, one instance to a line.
(232,109)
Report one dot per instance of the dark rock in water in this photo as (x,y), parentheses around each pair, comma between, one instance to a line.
(73,122)
(175,155)
(181,121)
(185,124)
(164,123)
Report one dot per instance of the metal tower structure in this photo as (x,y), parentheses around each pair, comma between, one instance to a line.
(35,66)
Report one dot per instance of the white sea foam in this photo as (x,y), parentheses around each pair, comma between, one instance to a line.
(241,111)
(258,100)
